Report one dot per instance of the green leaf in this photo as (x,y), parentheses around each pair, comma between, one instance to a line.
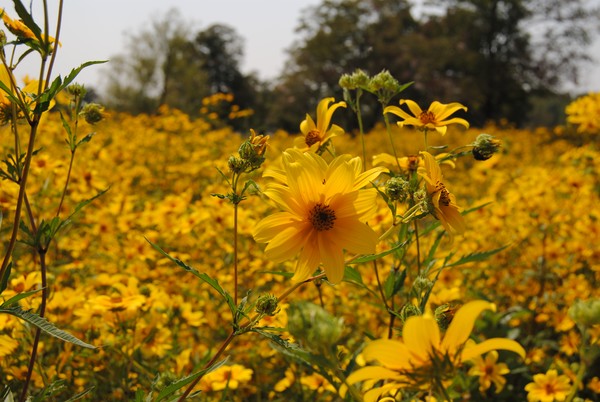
(7,395)
(27,19)
(9,94)
(212,282)
(177,385)
(5,278)
(44,325)
(75,72)
(371,257)
(85,139)
(18,297)
(475,257)
(80,395)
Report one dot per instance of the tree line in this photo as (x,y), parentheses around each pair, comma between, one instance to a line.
(506,59)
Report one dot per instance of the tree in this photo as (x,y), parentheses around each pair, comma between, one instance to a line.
(157,69)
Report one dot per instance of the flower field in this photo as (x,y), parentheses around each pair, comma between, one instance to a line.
(163,257)
(111,288)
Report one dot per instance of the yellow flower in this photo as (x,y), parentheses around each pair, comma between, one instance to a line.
(225,377)
(489,371)
(433,118)
(585,113)
(548,387)
(442,201)
(408,163)
(418,356)
(19,29)
(7,345)
(324,212)
(317,134)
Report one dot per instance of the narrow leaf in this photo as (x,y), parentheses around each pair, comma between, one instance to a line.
(18,297)
(212,282)
(182,382)
(474,257)
(371,257)
(27,19)
(5,278)
(74,72)
(45,325)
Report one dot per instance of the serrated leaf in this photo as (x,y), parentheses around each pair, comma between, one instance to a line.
(475,257)
(177,385)
(74,72)
(205,277)
(45,326)
(18,297)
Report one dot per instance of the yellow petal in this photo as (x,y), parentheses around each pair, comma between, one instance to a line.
(367,177)
(307,125)
(286,244)
(272,225)
(462,324)
(442,111)
(389,353)
(412,105)
(421,336)
(354,236)
(332,257)
(308,260)
(469,352)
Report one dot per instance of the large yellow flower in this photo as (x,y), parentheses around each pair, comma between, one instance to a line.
(422,348)
(430,119)
(442,201)
(314,135)
(324,212)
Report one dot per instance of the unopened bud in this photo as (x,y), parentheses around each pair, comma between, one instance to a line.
(586,312)
(236,165)
(267,305)
(92,113)
(397,189)
(314,326)
(485,146)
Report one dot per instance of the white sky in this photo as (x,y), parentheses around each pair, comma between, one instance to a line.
(95,30)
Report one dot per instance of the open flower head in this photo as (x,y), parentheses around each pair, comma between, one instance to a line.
(20,30)
(434,118)
(489,371)
(548,387)
(416,358)
(324,210)
(442,201)
(315,135)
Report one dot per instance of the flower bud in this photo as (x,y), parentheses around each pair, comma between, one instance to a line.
(485,146)
(422,284)
(314,326)
(267,305)
(585,312)
(409,310)
(397,189)
(76,90)
(92,113)
(236,165)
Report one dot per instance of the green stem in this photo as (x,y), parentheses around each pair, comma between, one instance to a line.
(361,129)
(62,198)
(416,226)
(235,253)
(34,348)
(389,132)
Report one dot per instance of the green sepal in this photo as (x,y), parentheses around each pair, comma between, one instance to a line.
(44,325)
(205,277)
(182,382)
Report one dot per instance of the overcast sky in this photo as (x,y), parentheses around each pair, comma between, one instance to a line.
(95,30)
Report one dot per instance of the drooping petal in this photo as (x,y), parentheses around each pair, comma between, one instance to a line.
(308,261)
(354,236)
(332,257)
(390,353)
(375,373)
(471,351)
(325,113)
(462,324)
(455,120)
(453,217)
(286,244)
(397,111)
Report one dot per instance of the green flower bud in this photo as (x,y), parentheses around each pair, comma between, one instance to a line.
(267,305)
(409,310)
(585,312)
(76,90)
(92,113)
(397,189)
(346,82)
(313,326)
(236,165)
(485,146)
(422,284)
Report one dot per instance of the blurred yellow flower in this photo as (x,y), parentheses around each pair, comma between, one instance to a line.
(442,201)
(19,29)
(324,212)
(225,377)
(489,371)
(548,387)
(433,118)
(7,345)
(584,112)
(423,352)
(314,135)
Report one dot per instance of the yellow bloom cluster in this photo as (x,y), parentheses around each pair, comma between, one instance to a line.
(584,112)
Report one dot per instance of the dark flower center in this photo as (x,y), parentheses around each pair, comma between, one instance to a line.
(427,117)
(444,194)
(313,137)
(321,217)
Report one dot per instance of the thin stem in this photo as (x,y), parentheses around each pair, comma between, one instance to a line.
(235,253)
(62,197)
(34,348)
(389,132)
(361,129)
(416,226)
